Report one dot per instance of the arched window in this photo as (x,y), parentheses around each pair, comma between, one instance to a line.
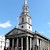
(22,20)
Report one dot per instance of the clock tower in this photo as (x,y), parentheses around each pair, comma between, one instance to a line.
(25,19)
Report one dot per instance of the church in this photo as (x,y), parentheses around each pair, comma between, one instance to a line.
(23,38)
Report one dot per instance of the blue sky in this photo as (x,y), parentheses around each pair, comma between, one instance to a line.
(39,10)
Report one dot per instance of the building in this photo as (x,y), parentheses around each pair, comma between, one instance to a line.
(23,38)
(2,42)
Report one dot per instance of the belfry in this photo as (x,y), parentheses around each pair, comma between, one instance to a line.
(23,38)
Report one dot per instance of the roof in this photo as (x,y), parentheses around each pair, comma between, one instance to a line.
(39,34)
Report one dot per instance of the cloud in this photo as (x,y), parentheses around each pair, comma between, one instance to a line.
(49,23)
(5,25)
(48,31)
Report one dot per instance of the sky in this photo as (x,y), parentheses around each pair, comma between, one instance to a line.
(10,11)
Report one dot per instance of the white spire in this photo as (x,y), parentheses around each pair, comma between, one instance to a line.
(25,1)
(25,8)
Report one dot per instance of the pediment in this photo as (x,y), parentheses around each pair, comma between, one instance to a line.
(14,32)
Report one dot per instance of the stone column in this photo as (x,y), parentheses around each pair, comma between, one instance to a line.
(9,45)
(17,43)
(12,44)
(27,44)
(16,48)
(30,43)
(21,43)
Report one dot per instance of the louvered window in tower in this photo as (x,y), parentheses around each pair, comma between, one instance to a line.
(29,20)
(22,20)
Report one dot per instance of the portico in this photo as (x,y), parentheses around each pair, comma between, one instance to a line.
(20,41)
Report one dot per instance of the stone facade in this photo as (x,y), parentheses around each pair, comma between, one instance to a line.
(25,40)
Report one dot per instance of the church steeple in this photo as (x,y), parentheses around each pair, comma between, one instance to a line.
(25,9)
(25,1)
(25,19)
